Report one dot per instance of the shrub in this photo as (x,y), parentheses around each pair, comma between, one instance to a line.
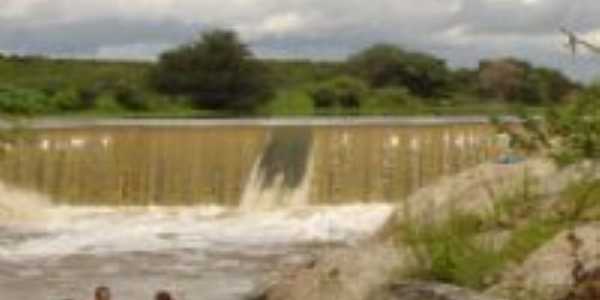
(567,134)
(89,95)
(107,103)
(23,101)
(67,99)
(397,97)
(52,87)
(385,65)
(130,98)
(451,251)
(343,91)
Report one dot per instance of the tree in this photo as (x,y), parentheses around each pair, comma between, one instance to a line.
(217,71)
(342,91)
(514,80)
(386,65)
(502,79)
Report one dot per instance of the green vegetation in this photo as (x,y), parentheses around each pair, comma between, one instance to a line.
(388,65)
(217,75)
(216,72)
(568,133)
(342,92)
(473,250)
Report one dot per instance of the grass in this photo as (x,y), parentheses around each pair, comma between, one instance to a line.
(450,251)
(289,102)
(466,250)
(42,74)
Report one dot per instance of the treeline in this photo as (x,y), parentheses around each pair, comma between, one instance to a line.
(218,74)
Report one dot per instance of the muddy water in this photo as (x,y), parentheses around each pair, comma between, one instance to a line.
(205,211)
(212,165)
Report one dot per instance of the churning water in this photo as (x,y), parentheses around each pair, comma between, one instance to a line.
(204,211)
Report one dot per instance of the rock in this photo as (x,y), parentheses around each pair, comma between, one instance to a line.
(556,269)
(428,291)
(362,273)
(587,286)
(476,189)
(347,273)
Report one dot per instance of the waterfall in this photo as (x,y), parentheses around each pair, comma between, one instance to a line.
(281,176)
(16,204)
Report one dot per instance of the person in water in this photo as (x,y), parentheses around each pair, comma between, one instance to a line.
(102,293)
(163,295)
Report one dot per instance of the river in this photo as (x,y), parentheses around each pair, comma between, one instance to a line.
(207,209)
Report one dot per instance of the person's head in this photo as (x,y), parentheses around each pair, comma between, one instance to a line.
(102,293)
(163,295)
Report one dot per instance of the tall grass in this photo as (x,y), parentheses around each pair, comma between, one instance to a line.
(474,250)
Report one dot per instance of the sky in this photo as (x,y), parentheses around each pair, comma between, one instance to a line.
(460,31)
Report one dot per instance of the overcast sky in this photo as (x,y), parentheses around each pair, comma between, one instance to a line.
(461,31)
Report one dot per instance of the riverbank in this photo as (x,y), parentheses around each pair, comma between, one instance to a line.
(507,232)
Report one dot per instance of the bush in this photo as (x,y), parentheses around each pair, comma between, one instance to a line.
(130,98)
(68,100)
(217,72)
(24,101)
(567,134)
(89,95)
(389,101)
(387,65)
(108,104)
(451,251)
(397,97)
(52,87)
(343,91)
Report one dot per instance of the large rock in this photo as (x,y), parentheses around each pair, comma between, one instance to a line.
(477,189)
(363,273)
(348,273)
(552,271)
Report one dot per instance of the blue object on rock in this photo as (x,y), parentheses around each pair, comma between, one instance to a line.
(510,159)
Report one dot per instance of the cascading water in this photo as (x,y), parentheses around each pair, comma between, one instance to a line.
(281,176)
(205,212)
(16,204)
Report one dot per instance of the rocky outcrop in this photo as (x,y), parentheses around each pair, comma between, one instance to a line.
(476,189)
(348,273)
(565,265)
(363,273)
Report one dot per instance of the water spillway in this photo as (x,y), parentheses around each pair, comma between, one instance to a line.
(205,211)
(172,166)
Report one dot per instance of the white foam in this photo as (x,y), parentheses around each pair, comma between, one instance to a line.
(17,204)
(256,197)
(106,231)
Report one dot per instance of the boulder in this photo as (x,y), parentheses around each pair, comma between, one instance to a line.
(346,273)
(564,265)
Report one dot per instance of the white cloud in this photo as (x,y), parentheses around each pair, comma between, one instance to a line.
(462,31)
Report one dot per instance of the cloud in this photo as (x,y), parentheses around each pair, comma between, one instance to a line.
(462,31)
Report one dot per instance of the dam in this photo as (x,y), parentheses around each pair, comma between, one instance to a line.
(206,209)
